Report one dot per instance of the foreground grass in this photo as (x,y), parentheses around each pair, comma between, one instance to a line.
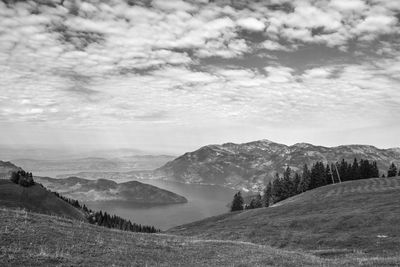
(357,220)
(30,239)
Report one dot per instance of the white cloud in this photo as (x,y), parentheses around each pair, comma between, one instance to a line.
(181,63)
(251,24)
(279,74)
(345,5)
(317,73)
(274,46)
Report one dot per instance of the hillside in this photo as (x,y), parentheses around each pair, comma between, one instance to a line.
(352,217)
(37,199)
(249,165)
(6,168)
(102,189)
(30,239)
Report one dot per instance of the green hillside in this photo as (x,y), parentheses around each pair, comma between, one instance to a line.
(37,199)
(357,217)
(30,239)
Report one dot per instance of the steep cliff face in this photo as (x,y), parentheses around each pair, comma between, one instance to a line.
(250,165)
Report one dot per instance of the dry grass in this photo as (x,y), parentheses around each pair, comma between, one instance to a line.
(357,220)
(30,239)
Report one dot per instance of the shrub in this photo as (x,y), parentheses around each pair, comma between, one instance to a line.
(22,178)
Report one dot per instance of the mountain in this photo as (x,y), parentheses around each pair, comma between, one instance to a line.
(339,220)
(248,166)
(124,163)
(36,198)
(106,190)
(6,168)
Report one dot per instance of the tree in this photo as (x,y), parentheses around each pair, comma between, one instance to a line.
(296,183)
(392,170)
(277,193)
(287,184)
(305,180)
(237,203)
(318,175)
(267,195)
(14,177)
(374,169)
(255,203)
(355,170)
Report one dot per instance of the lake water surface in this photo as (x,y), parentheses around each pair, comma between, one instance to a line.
(203,201)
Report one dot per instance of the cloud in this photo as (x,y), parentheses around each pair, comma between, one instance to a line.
(96,64)
(344,5)
(279,74)
(316,73)
(274,46)
(251,24)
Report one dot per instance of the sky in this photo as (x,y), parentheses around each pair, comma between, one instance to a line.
(175,75)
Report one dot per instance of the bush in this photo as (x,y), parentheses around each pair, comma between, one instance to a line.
(22,178)
(14,177)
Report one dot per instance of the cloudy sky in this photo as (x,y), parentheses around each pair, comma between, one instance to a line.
(172,75)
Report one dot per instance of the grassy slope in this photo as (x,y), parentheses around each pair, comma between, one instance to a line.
(37,199)
(30,239)
(360,217)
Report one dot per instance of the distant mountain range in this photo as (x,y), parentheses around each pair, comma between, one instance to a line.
(250,165)
(107,190)
(100,164)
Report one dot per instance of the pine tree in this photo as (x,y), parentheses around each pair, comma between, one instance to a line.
(287,185)
(305,180)
(296,184)
(375,170)
(267,195)
(355,170)
(318,175)
(257,202)
(392,170)
(14,177)
(237,203)
(277,190)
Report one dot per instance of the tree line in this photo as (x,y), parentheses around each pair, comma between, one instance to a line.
(292,183)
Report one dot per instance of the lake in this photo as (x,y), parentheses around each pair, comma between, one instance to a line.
(203,201)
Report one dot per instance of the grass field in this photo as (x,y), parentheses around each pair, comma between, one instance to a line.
(351,224)
(37,199)
(29,239)
(351,219)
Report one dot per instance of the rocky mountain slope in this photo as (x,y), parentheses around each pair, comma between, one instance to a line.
(250,165)
(107,190)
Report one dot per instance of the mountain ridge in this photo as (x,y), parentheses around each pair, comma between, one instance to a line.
(107,190)
(250,165)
